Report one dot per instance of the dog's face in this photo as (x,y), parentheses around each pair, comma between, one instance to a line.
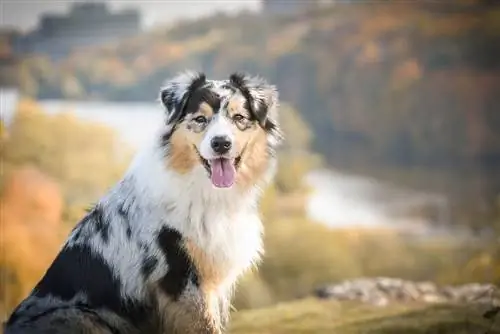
(227,127)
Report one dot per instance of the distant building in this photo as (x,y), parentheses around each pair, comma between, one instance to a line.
(280,7)
(87,24)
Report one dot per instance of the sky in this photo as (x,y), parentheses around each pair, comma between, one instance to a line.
(24,14)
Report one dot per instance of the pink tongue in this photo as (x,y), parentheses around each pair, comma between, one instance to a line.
(222,173)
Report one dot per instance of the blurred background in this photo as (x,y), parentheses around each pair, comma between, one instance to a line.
(391,111)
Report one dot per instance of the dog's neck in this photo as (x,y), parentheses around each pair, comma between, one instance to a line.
(165,191)
(189,202)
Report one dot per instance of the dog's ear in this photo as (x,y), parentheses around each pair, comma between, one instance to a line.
(263,101)
(175,94)
(262,97)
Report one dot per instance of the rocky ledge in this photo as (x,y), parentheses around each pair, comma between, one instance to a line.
(382,290)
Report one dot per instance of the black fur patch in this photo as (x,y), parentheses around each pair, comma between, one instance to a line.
(178,108)
(148,265)
(166,137)
(205,94)
(78,270)
(181,270)
(101,224)
(144,247)
(123,211)
(77,230)
(14,315)
(239,82)
(63,323)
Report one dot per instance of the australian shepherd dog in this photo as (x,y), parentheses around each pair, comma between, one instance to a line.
(162,250)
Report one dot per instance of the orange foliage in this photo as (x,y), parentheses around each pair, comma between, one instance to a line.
(31,230)
(406,73)
(370,53)
(142,64)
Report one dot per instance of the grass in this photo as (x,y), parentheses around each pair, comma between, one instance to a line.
(324,316)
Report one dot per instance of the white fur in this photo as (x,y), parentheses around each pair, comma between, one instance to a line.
(219,126)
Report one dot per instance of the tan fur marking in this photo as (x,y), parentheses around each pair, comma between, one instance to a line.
(190,314)
(211,275)
(182,156)
(205,110)
(254,159)
(235,106)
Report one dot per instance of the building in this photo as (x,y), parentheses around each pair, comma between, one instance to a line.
(284,7)
(87,24)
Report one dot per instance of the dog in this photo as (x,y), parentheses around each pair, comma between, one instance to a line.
(162,250)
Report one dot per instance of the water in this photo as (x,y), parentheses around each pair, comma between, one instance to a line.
(134,122)
(338,200)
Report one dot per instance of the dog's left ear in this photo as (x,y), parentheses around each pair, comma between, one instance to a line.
(262,96)
(175,94)
(266,99)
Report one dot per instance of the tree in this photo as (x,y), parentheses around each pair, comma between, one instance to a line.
(66,149)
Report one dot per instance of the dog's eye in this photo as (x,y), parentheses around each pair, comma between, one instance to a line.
(200,119)
(238,118)
(241,122)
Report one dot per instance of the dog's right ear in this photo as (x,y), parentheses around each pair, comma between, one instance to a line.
(176,92)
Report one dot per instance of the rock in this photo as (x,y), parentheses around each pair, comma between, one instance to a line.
(432,298)
(382,290)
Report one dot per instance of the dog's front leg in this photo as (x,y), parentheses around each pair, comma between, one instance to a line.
(190,314)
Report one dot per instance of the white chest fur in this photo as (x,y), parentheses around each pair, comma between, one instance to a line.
(221,224)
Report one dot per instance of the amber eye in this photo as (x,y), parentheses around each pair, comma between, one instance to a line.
(200,120)
(238,118)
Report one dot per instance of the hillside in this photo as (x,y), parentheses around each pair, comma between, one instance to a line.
(405,91)
(401,83)
(312,316)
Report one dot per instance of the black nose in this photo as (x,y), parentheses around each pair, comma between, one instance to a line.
(221,144)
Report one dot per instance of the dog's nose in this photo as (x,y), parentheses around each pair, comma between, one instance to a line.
(221,144)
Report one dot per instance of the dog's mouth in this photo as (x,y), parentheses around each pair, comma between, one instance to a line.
(221,170)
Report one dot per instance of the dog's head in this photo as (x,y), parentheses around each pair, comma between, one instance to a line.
(227,128)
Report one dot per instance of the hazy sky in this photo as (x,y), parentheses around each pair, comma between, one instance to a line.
(24,14)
